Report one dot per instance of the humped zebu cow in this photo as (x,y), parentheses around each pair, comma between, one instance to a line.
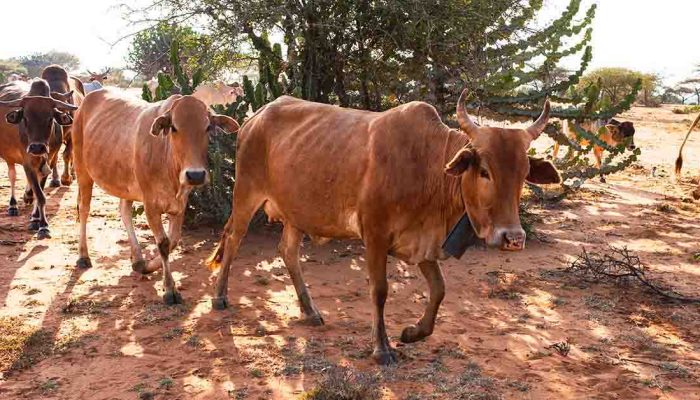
(32,120)
(399,180)
(161,157)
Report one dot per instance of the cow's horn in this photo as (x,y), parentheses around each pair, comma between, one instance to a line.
(536,129)
(12,103)
(64,106)
(465,122)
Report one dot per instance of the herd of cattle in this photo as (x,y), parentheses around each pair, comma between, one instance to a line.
(399,180)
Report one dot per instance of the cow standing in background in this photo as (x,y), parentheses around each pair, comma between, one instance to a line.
(162,156)
(218,93)
(63,90)
(399,180)
(679,160)
(612,132)
(30,123)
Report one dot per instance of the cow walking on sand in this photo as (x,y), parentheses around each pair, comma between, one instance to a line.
(154,153)
(30,127)
(399,180)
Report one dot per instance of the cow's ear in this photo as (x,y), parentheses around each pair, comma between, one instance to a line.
(542,172)
(63,119)
(13,117)
(227,123)
(613,129)
(162,124)
(461,162)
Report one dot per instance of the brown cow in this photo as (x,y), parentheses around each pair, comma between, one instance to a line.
(154,153)
(679,160)
(25,136)
(612,133)
(62,88)
(399,180)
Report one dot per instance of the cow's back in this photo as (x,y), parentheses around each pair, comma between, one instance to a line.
(327,169)
(11,148)
(105,133)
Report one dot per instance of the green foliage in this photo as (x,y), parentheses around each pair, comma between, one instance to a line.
(34,63)
(151,52)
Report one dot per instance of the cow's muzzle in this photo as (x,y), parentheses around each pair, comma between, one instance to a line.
(196,177)
(37,149)
(510,239)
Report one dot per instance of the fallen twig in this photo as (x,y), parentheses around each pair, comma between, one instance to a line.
(621,267)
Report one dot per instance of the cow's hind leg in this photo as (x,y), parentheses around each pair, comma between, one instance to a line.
(171,296)
(84,198)
(289,247)
(424,326)
(244,207)
(376,255)
(12,211)
(137,262)
(66,176)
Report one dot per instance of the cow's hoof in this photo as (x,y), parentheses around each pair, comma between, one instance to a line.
(34,226)
(602,180)
(696,194)
(315,320)
(13,212)
(43,233)
(66,181)
(219,303)
(140,267)
(412,334)
(172,298)
(55,183)
(386,357)
(84,263)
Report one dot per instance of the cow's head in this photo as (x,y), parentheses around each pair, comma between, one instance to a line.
(493,168)
(622,132)
(188,125)
(35,117)
(101,77)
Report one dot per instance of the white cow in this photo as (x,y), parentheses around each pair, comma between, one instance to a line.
(218,93)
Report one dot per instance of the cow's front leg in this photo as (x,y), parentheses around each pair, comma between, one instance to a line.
(12,211)
(38,220)
(55,182)
(376,255)
(175,222)
(137,262)
(171,295)
(424,326)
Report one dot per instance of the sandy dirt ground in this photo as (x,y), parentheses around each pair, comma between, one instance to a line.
(512,326)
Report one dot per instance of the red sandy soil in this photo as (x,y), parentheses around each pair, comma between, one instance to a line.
(104,334)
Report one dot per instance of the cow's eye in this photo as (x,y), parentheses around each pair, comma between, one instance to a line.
(484,174)
(172,128)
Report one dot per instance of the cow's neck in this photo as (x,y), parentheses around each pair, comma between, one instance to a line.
(455,141)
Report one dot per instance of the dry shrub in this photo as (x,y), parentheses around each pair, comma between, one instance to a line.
(343,383)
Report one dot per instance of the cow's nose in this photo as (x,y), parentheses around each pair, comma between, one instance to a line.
(513,240)
(195,177)
(37,149)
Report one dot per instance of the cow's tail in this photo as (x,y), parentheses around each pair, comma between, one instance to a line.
(679,160)
(214,260)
